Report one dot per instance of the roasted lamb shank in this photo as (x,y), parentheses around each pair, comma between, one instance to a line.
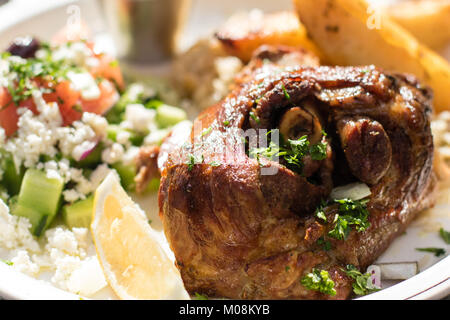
(240,232)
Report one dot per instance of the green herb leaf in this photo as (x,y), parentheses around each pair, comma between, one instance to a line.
(292,151)
(361,285)
(254,117)
(9,263)
(286,94)
(319,280)
(214,164)
(351,213)
(193,161)
(206,131)
(199,296)
(320,213)
(319,151)
(437,251)
(445,235)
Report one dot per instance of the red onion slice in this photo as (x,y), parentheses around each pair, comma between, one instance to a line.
(83,150)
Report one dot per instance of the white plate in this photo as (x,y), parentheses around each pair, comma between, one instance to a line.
(45,17)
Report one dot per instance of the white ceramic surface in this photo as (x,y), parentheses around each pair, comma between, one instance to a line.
(43,18)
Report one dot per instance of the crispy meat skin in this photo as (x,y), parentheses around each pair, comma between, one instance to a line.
(239,234)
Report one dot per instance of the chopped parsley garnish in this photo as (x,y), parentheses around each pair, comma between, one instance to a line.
(318,151)
(437,251)
(254,117)
(351,213)
(193,161)
(319,280)
(286,94)
(226,123)
(292,151)
(7,262)
(199,296)
(27,70)
(362,284)
(206,131)
(214,164)
(445,235)
(287,268)
(320,213)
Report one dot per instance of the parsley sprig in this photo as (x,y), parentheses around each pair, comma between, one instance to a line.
(350,213)
(192,160)
(319,280)
(361,284)
(28,70)
(293,151)
(445,235)
(436,251)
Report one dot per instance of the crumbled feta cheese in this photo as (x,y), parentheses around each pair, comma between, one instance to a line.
(123,137)
(88,278)
(130,155)
(76,53)
(96,122)
(64,241)
(14,231)
(23,263)
(85,83)
(2,136)
(113,154)
(139,118)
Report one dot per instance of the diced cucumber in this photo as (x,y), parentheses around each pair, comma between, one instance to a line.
(11,178)
(78,214)
(127,174)
(39,199)
(167,116)
(135,138)
(153,185)
(153,104)
(37,219)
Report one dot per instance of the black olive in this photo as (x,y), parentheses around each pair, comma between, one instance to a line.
(24,47)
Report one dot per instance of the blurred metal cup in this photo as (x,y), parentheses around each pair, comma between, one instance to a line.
(145,31)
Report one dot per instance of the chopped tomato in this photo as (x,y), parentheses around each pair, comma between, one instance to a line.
(108,68)
(67,100)
(108,97)
(29,103)
(5,97)
(9,119)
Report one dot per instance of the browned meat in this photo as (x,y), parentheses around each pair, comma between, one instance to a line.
(239,233)
(366,146)
(147,167)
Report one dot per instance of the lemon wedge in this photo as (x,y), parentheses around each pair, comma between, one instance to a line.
(133,261)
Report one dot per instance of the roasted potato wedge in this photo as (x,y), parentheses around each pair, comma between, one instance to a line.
(350,32)
(427,20)
(246,31)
